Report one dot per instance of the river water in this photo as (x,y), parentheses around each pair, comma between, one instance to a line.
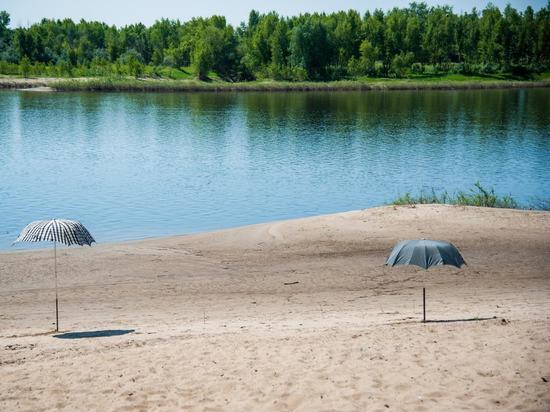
(136,165)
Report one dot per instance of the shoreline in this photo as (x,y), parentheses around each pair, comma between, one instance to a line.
(252,226)
(189,86)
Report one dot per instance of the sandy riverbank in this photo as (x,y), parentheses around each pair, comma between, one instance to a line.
(298,315)
(7,82)
(108,84)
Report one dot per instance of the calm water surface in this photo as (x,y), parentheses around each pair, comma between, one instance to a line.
(136,165)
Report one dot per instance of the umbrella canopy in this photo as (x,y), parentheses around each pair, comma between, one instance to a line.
(425,253)
(68,232)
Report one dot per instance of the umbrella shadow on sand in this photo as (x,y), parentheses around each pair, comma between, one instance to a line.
(410,320)
(459,320)
(94,334)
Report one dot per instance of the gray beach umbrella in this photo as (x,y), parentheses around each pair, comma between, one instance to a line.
(68,232)
(425,253)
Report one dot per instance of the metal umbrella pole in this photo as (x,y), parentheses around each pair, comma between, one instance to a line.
(424,303)
(56,299)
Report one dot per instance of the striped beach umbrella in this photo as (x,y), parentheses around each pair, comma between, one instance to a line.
(67,232)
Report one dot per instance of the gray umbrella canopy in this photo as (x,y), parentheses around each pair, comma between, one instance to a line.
(425,253)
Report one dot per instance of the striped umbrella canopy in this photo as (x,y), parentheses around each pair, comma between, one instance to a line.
(68,232)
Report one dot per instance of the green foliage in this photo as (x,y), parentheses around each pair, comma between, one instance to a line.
(309,46)
(132,59)
(4,30)
(440,42)
(64,68)
(477,196)
(182,79)
(25,66)
(417,68)
(431,197)
(368,55)
(305,47)
(401,63)
(202,59)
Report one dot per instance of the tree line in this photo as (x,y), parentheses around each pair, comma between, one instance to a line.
(315,46)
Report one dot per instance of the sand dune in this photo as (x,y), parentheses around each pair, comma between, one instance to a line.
(293,315)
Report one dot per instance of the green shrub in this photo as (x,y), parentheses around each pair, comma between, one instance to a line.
(417,68)
(477,196)
(25,66)
(299,74)
(401,63)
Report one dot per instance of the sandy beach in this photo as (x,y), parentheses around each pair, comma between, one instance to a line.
(292,315)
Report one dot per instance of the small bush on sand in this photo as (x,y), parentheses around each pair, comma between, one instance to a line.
(477,196)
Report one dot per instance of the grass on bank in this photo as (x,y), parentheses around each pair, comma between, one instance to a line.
(476,196)
(190,84)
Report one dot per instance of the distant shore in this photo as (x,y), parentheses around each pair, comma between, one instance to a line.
(167,85)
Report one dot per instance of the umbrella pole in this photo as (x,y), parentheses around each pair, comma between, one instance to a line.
(56,301)
(424,303)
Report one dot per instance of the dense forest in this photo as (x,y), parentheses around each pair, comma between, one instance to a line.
(397,43)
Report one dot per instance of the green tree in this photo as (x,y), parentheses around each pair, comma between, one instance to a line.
(202,58)
(308,48)
(542,47)
(369,53)
(468,37)
(401,63)
(279,44)
(315,46)
(344,35)
(25,66)
(133,61)
(4,30)
(374,31)
(440,35)
(510,36)
(259,42)
(491,48)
